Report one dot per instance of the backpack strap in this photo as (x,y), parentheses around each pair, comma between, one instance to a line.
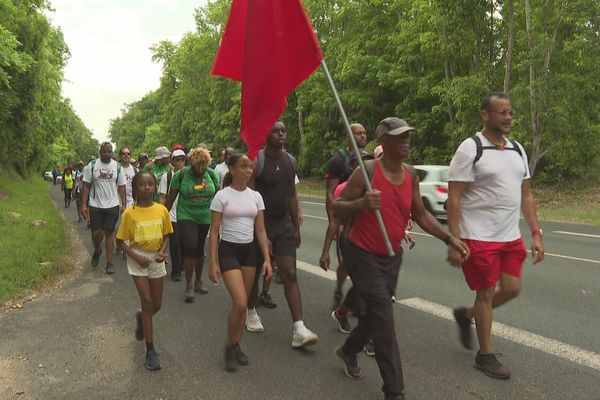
(169,177)
(260,162)
(214,177)
(181,175)
(293,161)
(480,147)
(345,155)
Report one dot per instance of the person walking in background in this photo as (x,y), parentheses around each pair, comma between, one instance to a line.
(54,175)
(143,237)
(222,168)
(103,199)
(159,166)
(68,183)
(178,158)
(78,189)
(142,161)
(129,171)
(196,186)
(237,213)
(488,187)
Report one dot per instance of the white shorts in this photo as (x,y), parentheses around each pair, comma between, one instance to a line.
(154,270)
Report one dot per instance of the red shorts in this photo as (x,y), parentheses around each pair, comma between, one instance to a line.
(489,260)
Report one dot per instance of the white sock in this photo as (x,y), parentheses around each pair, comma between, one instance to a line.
(252,312)
(298,325)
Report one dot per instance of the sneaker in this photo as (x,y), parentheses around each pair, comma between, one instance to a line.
(342,322)
(231,363)
(464,327)
(241,358)
(139,329)
(152,360)
(199,288)
(110,269)
(265,300)
(394,301)
(189,295)
(96,258)
(351,367)
(176,276)
(394,397)
(253,322)
(489,365)
(369,348)
(304,337)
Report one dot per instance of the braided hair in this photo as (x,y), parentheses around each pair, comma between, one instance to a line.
(134,182)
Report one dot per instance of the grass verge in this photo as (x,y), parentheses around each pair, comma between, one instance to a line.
(30,256)
(576,203)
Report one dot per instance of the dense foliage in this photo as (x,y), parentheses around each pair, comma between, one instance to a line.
(428,61)
(38,127)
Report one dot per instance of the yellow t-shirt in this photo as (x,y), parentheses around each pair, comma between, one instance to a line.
(68,181)
(144,227)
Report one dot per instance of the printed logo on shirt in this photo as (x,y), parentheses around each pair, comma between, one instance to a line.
(105,173)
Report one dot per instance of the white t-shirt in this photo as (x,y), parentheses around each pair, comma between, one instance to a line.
(491,205)
(222,169)
(239,211)
(103,192)
(129,173)
(164,189)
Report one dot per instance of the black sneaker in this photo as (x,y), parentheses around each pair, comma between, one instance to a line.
(231,362)
(176,276)
(489,365)
(351,367)
(342,322)
(139,329)
(242,358)
(96,258)
(152,360)
(369,348)
(265,300)
(110,269)
(464,327)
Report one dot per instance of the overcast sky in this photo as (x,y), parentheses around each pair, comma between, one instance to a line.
(109,41)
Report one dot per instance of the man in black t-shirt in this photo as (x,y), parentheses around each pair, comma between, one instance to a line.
(338,171)
(275,181)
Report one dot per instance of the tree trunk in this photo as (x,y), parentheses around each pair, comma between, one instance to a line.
(509,47)
(534,134)
(300,118)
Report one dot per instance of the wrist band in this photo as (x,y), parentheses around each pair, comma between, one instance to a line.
(447,240)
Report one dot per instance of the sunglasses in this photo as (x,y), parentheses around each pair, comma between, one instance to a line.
(125,153)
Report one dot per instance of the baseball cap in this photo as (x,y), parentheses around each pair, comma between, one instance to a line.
(143,155)
(178,153)
(392,126)
(161,152)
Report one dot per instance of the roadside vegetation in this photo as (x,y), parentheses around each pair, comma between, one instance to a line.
(34,237)
(576,203)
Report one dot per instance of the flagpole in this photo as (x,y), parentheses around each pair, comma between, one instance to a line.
(388,245)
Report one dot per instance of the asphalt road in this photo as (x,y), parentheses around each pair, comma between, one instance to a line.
(78,342)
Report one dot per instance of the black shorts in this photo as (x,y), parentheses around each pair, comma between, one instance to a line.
(282,234)
(236,255)
(192,237)
(104,218)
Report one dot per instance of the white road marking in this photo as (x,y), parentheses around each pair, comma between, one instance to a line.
(550,346)
(313,203)
(577,234)
(315,217)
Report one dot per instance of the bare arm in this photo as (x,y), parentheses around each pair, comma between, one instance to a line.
(171,196)
(85,197)
(354,198)
(215,223)
(455,193)
(261,234)
(529,209)
(122,197)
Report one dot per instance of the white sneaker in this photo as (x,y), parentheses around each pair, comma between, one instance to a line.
(253,322)
(304,337)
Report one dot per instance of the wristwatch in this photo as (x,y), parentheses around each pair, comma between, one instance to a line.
(537,233)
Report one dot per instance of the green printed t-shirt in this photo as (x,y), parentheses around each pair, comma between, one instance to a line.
(195,195)
(158,171)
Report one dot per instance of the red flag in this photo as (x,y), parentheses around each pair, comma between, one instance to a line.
(270,46)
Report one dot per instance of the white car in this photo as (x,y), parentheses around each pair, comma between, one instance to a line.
(434,188)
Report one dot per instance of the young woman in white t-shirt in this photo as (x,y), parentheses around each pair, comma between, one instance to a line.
(237,211)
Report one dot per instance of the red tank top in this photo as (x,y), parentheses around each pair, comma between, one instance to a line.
(396,205)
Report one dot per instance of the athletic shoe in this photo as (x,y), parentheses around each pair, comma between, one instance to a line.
(253,322)
(265,300)
(96,258)
(199,288)
(394,397)
(490,366)
(342,322)
(351,367)
(152,360)
(394,301)
(304,337)
(176,276)
(231,363)
(110,269)
(369,348)
(189,295)
(139,329)
(464,327)
(241,358)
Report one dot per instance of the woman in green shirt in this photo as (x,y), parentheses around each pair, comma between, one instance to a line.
(196,186)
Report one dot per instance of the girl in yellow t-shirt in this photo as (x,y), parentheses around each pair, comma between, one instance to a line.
(143,236)
(67,186)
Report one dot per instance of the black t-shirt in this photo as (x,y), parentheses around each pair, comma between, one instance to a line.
(275,185)
(338,166)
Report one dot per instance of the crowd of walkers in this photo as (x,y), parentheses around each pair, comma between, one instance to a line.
(250,212)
